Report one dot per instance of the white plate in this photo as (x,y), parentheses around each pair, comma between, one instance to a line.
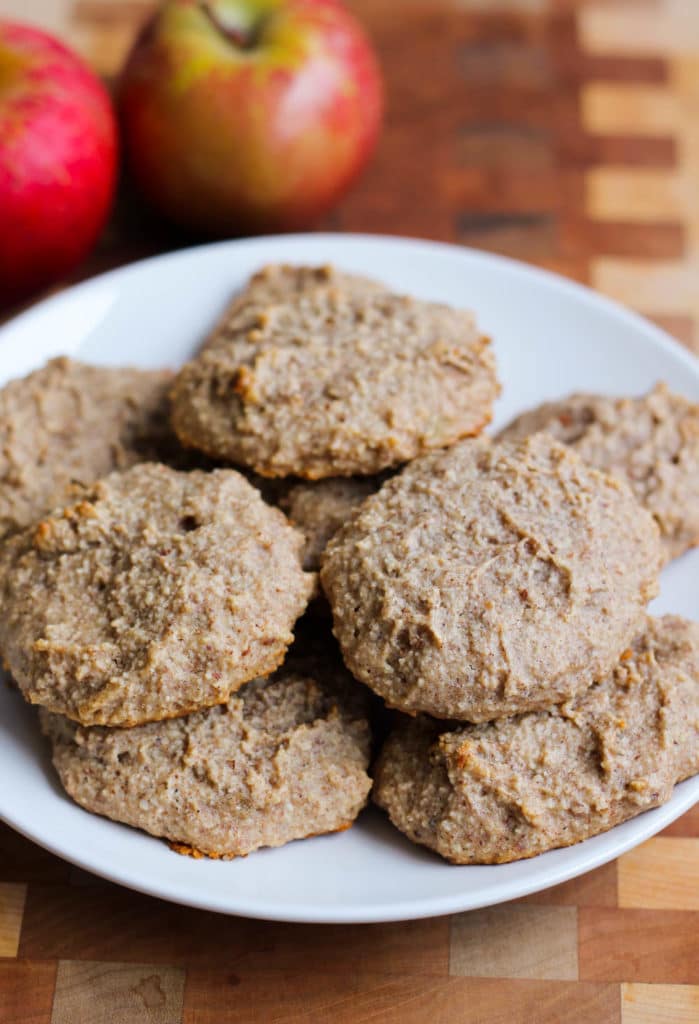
(551,337)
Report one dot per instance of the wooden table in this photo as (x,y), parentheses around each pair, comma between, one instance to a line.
(565,133)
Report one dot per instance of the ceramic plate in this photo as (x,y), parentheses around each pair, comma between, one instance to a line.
(551,337)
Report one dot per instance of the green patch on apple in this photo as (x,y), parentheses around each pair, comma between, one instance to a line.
(249,115)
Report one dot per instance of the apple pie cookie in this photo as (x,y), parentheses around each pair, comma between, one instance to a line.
(154,594)
(487,794)
(651,442)
(285,758)
(336,382)
(69,422)
(490,579)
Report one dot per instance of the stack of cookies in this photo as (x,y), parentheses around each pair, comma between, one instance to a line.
(504,584)
(492,592)
(147,613)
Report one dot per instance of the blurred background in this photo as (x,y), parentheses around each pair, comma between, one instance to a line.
(562,132)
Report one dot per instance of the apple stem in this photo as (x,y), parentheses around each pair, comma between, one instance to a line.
(245,38)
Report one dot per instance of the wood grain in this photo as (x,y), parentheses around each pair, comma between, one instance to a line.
(515,941)
(597,888)
(625,150)
(619,28)
(639,195)
(26,991)
(23,861)
(664,240)
(612,107)
(687,825)
(638,945)
(614,67)
(222,998)
(90,922)
(12,899)
(661,874)
(659,1004)
(667,108)
(114,993)
(667,287)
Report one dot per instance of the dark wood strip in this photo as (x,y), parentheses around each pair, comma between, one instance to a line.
(24,861)
(639,241)
(615,68)
(105,922)
(687,826)
(595,889)
(683,328)
(26,991)
(623,150)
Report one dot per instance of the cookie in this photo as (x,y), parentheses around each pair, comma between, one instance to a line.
(72,422)
(285,758)
(651,442)
(280,282)
(490,579)
(487,794)
(319,508)
(335,383)
(157,593)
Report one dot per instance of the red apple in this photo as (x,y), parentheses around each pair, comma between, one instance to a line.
(249,115)
(58,146)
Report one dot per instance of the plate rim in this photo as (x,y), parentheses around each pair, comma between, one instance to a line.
(656,819)
(553,279)
(645,826)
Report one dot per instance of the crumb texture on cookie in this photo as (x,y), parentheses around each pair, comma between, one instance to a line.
(282,282)
(490,579)
(69,422)
(335,381)
(320,507)
(157,593)
(487,794)
(651,442)
(285,758)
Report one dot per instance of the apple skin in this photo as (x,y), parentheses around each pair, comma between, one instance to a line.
(249,115)
(58,160)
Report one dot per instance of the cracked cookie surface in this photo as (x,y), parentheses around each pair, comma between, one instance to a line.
(336,381)
(651,442)
(487,794)
(490,579)
(285,758)
(156,593)
(70,422)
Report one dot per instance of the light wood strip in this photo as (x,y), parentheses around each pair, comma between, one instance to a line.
(630,27)
(616,108)
(113,993)
(659,1004)
(666,289)
(516,941)
(12,898)
(661,874)
(639,194)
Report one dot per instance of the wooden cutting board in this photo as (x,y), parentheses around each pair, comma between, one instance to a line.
(564,133)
